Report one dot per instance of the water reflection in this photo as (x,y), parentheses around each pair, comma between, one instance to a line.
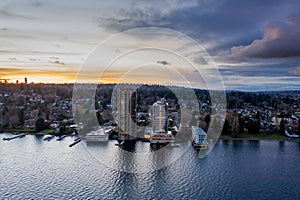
(254,143)
(32,169)
(128,145)
(225,142)
(281,145)
(39,138)
(237,143)
(125,159)
(96,144)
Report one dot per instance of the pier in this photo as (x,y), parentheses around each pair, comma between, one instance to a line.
(77,140)
(49,138)
(18,136)
(60,138)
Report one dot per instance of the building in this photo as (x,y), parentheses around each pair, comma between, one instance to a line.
(199,138)
(159,116)
(126,104)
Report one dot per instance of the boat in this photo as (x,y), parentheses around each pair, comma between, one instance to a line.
(199,138)
(290,135)
(161,138)
(146,138)
(99,135)
(48,138)
(120,144)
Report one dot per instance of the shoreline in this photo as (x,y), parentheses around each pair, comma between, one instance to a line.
(222,137)
(258,139)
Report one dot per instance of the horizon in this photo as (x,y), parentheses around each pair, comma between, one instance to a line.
(141,84)
(253,44)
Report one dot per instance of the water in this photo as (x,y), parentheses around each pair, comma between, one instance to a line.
(35,169)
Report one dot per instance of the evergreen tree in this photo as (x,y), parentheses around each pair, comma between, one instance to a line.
(242,124)
(299,126)
(282,127)
(207,120)
(226,128)
(21,116)
(257,122)
(40,124)
(235,125)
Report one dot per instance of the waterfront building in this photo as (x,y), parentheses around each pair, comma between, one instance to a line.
(159,118)
(199,138)
(99,135)
(126,104)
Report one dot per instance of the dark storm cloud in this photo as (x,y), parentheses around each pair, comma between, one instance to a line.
(234,20)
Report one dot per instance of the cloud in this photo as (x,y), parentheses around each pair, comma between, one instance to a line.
(144,14)
(295,71)
(202,19)
(280,40)
(163,62)
(36,4)
(56,62)
(5,11)
(54,73)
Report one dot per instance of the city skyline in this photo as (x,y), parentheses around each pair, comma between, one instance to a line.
(254,44)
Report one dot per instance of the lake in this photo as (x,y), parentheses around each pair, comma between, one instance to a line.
(32,168)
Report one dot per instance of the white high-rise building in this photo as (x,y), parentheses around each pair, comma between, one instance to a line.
(160,116)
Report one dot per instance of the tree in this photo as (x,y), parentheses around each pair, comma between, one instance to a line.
(21,116)
(207,120)
(235,125)
(282,126)
(242,124)
(257,122)
(299,126)
(226,128)
(40,124)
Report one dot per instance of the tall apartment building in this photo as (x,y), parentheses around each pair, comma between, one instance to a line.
(126,104)
(160,116)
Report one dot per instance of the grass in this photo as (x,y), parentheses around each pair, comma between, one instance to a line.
(19,130)
(272,136)
(48,131)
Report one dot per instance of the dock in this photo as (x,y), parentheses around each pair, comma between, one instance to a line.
(49,138)
(60,138)
(120,144)
(75,142)
(15,137)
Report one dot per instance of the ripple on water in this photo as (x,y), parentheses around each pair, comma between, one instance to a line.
(35,169)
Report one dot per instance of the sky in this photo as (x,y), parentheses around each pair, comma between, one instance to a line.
(254,44)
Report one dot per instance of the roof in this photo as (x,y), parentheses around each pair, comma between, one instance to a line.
(198,130)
